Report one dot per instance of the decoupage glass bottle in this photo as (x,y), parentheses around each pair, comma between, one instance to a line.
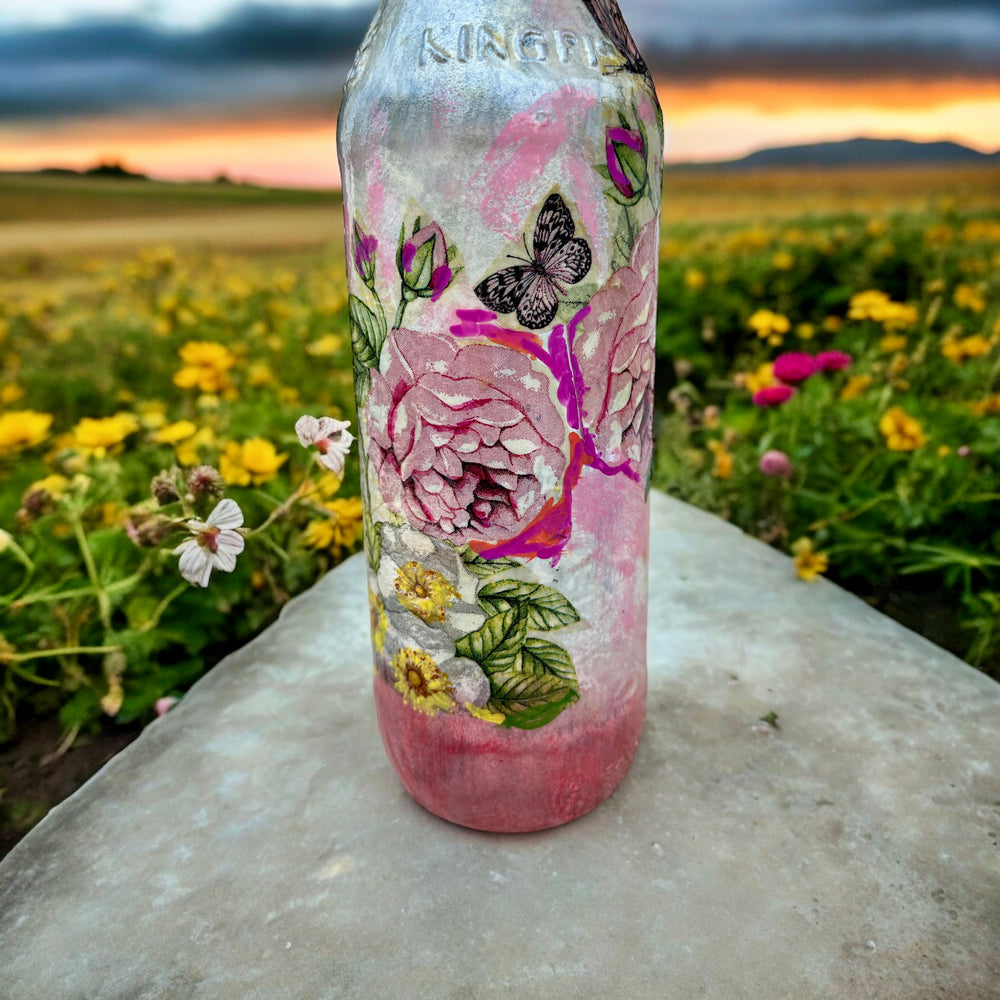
(501,172)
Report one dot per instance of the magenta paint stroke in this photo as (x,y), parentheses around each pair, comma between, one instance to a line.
(630,138)
(561,360)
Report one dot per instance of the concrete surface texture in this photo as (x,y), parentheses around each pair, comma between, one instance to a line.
(254,843)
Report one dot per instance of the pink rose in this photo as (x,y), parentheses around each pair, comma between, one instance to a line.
(615,345)
(465,439)
(833,361)
(773,395)
(794,366)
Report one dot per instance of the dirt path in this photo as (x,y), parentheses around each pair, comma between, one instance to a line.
(242,228)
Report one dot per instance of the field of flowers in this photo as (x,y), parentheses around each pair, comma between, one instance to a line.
(829,383)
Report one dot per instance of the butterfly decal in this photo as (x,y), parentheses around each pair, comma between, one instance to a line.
(557,258)
(609,19)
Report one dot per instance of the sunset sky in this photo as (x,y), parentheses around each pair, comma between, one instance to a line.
(194,88)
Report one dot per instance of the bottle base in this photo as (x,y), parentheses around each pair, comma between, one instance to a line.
(504,780)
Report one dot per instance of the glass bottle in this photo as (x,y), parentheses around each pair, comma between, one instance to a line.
(501,169)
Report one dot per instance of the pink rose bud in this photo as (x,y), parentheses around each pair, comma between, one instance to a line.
(775,463)
(794,366)
(963,451)
(833,361)
(163,705)
(773,395)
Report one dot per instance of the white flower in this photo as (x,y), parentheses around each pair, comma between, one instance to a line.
(330,436)
(214,544)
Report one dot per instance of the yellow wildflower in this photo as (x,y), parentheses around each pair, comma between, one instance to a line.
(206,366)
(23,429)
(967,297)
(255,461)
(723,467)
(187,451)
(54,485)
(988,406)
(902,432)
(855,386)
(809,563)
(694,279)
(878,307)
(421,683)
(898,365)
(767,324)
(339,530)
(10,393)
(175,433)
(939,234)
(805,331)
(892,342)
(98,436)
(762,378)
(782,261)
(329,343)
(326,486)
(943,451)
(259,374)
(959,349)
(831,324)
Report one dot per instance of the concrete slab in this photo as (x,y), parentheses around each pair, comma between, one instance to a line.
(254,843)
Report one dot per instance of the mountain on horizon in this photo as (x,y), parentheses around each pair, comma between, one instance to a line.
(860,152)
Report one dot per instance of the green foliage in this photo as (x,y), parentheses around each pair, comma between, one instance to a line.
(154,367)
(895,459)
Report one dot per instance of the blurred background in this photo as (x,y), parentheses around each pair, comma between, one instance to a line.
(194,89)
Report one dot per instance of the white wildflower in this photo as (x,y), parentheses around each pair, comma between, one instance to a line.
(214,544)
(330,436)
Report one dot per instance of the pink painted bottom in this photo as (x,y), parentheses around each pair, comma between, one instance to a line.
(510,780)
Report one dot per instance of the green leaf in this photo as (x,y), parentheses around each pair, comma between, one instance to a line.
(497,645)
(530,700)
(484,568)
(546,608)
(368,333)
(539,656)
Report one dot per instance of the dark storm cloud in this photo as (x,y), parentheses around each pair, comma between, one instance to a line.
(259,52)
(264,53)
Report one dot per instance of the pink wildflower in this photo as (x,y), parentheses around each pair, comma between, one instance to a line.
(775,463)
(794,366)
(773,395)
(832,361)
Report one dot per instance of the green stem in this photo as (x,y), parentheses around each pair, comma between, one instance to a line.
(48,597)
(279,511)
(163,605)
(398,322)
(27,675)
(42,654)
(19,554)
(103,603)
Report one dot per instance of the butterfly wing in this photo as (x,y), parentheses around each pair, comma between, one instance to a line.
(609,19)
(503,291)
(570,262)
(538,305)
(553,228)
